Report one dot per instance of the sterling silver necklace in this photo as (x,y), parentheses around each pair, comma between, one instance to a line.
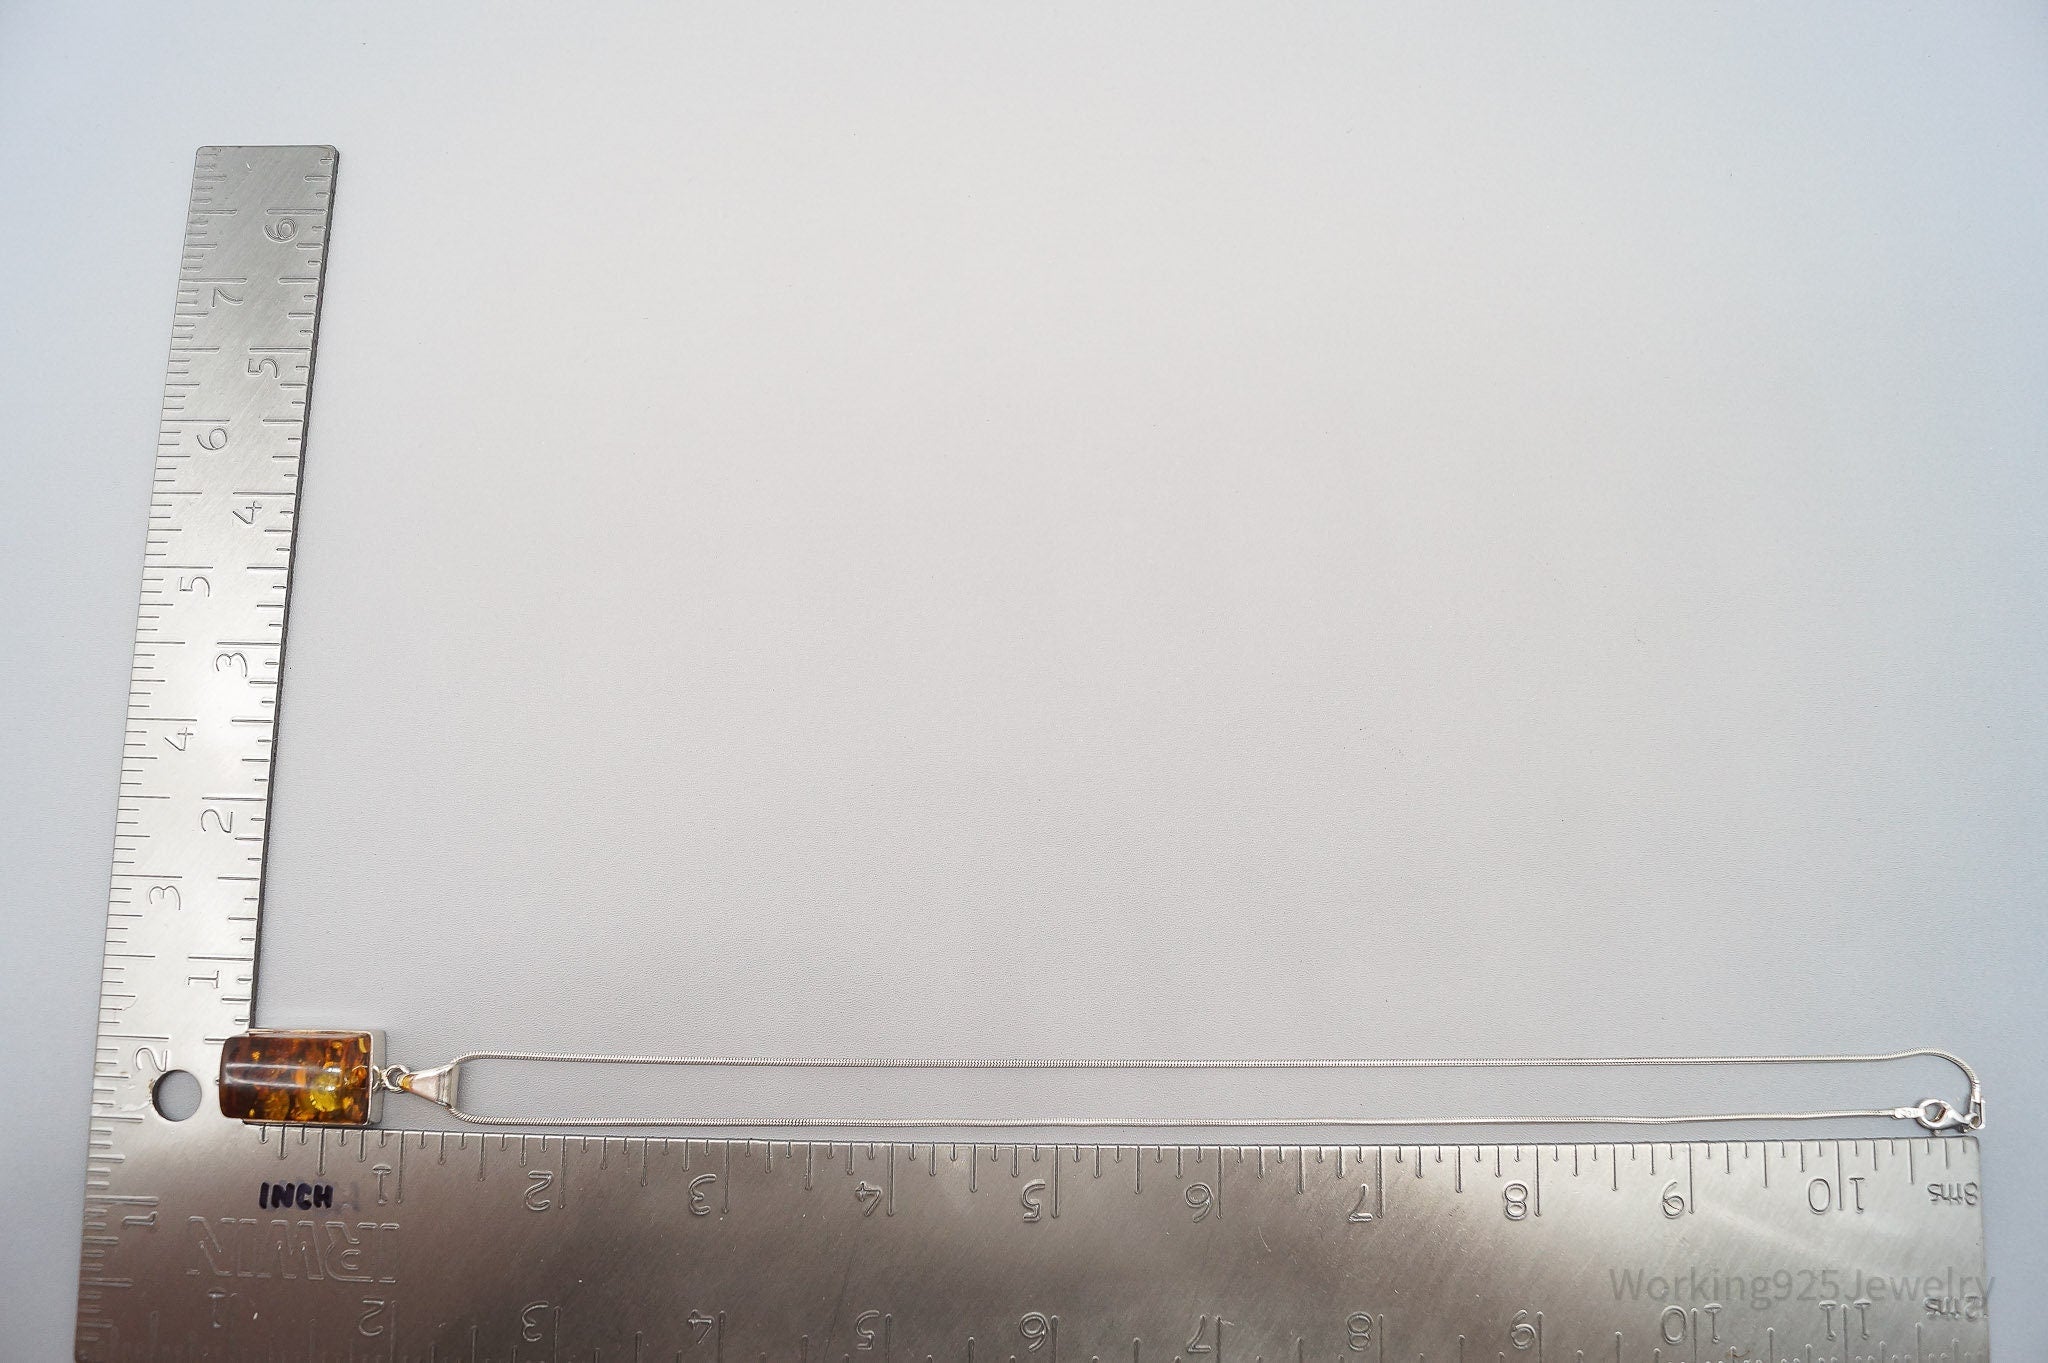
(339,1078)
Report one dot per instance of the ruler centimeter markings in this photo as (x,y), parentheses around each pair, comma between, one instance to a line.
(192,823)
(208,1239)
(408,1245)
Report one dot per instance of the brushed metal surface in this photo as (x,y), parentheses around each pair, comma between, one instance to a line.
(202,712)
(293,1243)
(206,1239)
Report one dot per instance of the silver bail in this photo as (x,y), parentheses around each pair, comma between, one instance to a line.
(436,1085)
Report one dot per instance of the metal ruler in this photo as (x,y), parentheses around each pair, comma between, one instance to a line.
(208,1239)
(180,966)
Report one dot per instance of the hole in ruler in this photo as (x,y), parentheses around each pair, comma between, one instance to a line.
(176,1095)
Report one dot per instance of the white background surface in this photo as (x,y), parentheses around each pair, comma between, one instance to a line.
(1396,530)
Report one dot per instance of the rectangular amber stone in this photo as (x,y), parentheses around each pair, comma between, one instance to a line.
(324,1078)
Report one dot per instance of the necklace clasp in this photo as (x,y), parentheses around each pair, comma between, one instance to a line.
(1939,1115)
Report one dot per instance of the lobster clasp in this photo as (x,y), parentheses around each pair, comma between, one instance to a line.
(1939,1115)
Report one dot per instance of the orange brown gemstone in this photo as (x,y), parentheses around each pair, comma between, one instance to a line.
(292,1076)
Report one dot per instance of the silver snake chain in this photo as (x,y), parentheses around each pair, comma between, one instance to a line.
(439,1084)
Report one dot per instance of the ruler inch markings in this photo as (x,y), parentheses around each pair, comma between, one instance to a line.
(194,782)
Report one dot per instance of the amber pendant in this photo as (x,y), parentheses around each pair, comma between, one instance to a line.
(314,1077)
